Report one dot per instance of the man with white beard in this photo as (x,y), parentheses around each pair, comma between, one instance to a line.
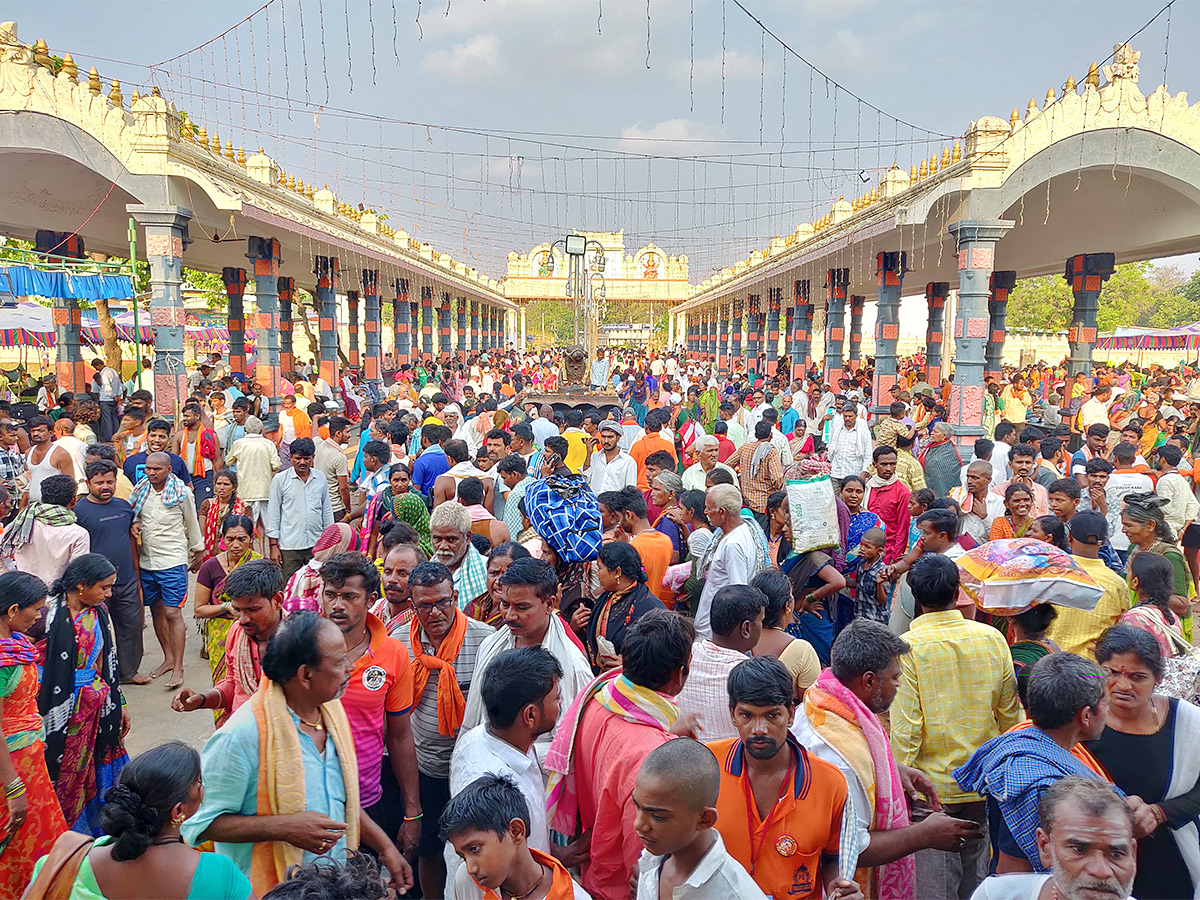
(1085,837)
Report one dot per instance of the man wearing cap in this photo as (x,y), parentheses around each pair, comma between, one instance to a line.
(1077,630)
(631,431)
(611,468)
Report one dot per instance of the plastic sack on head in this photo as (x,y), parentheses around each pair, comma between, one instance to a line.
(813,511)
(1009,576)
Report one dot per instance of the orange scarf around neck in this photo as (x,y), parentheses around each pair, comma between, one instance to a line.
(451,704)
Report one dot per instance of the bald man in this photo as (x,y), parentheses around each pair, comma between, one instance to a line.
(171,539)
(980,506)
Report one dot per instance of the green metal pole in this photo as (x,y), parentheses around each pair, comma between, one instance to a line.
(137,332)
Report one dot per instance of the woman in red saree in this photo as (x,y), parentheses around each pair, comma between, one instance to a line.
(31,819)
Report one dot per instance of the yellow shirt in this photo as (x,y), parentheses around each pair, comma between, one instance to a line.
(577,451)
(1077,630)
(957,690)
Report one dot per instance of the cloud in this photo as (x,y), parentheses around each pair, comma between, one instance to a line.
(667,137)
(472,58)
(708,68)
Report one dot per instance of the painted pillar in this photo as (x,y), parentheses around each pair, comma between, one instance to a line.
(936,293)
(462,328)
(287,355)
(800,328)
(400,321)
(753,331)
(328,272)
(166,230)
(976,241)
(69,367)
(523,332)
(889,279)
(235,290)
(444,345)
(475,326)
(1086,273)
(1000,284)
(352,323)
(837,280)
(414,328)
(774,302)
(670,329)
(264,254)
(735,335)
(857,303)
(372,323)
(427,322)
(722,341)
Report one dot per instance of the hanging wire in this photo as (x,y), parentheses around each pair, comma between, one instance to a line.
(350,50)
(647,34)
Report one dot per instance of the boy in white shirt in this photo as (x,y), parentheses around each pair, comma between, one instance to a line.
(675,804)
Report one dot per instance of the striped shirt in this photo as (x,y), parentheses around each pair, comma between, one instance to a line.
(957,691)
(705,694)
(434,749)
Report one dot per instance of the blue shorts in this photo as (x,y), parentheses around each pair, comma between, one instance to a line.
(166,586)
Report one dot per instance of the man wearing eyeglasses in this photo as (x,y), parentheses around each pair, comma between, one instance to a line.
(444,644)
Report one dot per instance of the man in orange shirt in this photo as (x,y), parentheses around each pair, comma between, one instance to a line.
(654,547)
(648,443)
(780,810)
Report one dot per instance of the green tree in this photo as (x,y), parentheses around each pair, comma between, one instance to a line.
(1040,304)
(210,283)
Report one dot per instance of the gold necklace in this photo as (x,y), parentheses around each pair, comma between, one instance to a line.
(318,725)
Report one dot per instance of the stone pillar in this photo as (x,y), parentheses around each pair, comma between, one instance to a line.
(837,281)
(166,236)
(400,321)
(462,328)
(372,323)
(264,254)
(352,320)
(722,340)
(857,303)
(287,355)
(523,332)
(670,329)
(976,242)
(1000,284)
(936,293)
(444,345)
(328,272)
(427,322)
(735,334)
(414,329)
(235,290)
(69,367)
(774,302)
(800,328)
(474,312)
(753,331)
(889,279)
(1086,273)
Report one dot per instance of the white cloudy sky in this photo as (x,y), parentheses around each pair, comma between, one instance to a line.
(489,126)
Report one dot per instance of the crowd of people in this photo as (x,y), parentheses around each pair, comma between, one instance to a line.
(466,643)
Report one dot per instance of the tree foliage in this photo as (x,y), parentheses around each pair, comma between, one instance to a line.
(1138,295)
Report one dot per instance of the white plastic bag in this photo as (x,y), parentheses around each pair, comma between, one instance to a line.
(813,511)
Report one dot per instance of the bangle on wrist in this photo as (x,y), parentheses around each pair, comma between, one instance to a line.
(415,818)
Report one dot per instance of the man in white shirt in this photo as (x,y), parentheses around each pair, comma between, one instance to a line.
(736,617)
(110,388)
(1077,812)
(611,467)
(48,394)
(732,557)
(1095,410)
(631,431)
(708,449)
(542,422)
(980,506)
(849,444)
(1122,481)
(520,693)
(1182,507)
